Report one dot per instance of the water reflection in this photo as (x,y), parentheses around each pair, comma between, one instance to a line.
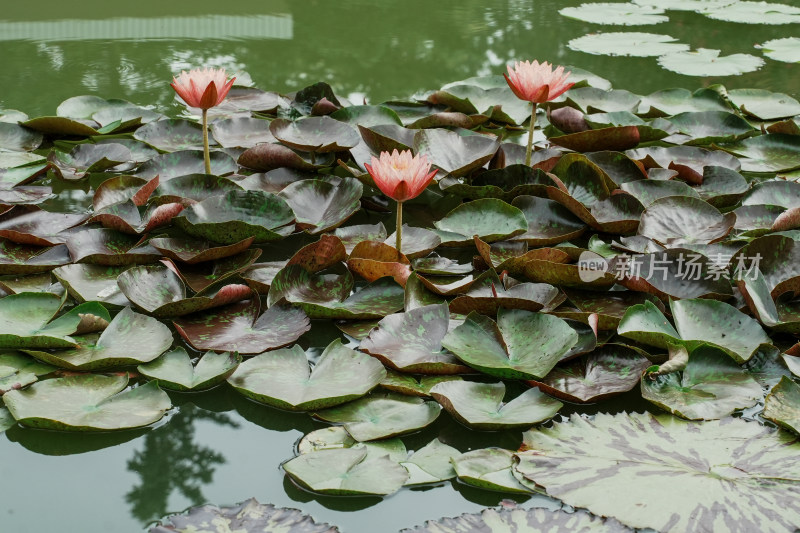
(131,52)
(170,461)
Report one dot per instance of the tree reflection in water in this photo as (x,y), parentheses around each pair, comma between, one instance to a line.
(171,461)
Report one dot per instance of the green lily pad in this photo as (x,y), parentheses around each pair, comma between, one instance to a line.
(786,49)
(431,464)
(755,13)
(634,44)
(321,205)
(777,261)
(440,266)
(763,104)
(199,277)
(504,183)
(595,100)
(352,235)
(193,252)
(488,294)
(346,472)
(648,191)
(313,293)
(782,404)
(18,370)
(172,135)
(454,154)
(366,115)
(246,516)
(159,291)
(697,322)
(774,152)
(174,369)
(25,322)
(183,162)
(63,126)
(241,132)
(675,471)
(417,242)
(417,294)
(86,158)
(489,469)
(680,220)
(92,283)
(88,403)
(336,437)
(506,520)
(500,349)
(241,327)
(706,127)
(129,339)
(381,416)
(315,134)
(192,188)
(548,221)
(616,13)
(605,372)
(481,406)
(238,215)
(18,138)
(712,386)
(707,62)
(109,247)
(412,341)
(673,101)
(489,218)
(411,386)
(6,420)
(497,102)
(283,379)
(11,178)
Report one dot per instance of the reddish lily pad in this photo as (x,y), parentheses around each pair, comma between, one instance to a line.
(25,259)
(31,225)
(269,156)
(192,252)
(109,247)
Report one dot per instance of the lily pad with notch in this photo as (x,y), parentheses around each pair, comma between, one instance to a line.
(174,369)
(322,205)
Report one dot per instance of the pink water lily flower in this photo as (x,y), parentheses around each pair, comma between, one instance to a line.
(401,175)
(537,82)
(204,88)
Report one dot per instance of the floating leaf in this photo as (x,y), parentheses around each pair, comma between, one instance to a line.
(786,49)
(346,472)
(754,13)
(315,134)
(88,283)
(680,220)
(87,402)
(489,469)
(129,339)
(782,404)
(283,379)
(109,247)
(239,328)
(381,416)
(675,471)
(172,135)
(321,205)
(617,13)
(431,464)
(241,132)
(412,341)
(246,516)
(711,386)
(775,152)
(24,321)
(183,162)
(481,406)
(174,370)
(500,348)
(454,154)
(489,218)
(17,370)
(706,62)
(192,252)
(634,44)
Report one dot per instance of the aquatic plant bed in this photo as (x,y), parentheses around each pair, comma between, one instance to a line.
(648,251)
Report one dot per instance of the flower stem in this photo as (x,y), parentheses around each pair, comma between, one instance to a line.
(206,155)
(399,226)
(530,135)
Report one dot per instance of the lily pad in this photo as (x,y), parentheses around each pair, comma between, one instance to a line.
(352,235)
(283,379)
(192,188)
(625,14)
(454,154)
(88,283)
(431,464)
(782,404)
(489,218)
(18,370)
(346,472)
(549,222)
(109,247)
(130,338)
(680,220)
(763,104)
(86,158)
(18,138)
(172,135)
(786,49)
(25,322)
(183,162)
(246,516)
(380,416)
(241,328)
(411,386)
(88,402)
(336,437)
(683,476)
(706,127)
(708,62)
(269,156)
(31,225)
(634,44)
(610,370)
(481,406)
(500,348)
(321,205)
(412,341)
(238,215)
(192,252)
(489,469)
(774,152)
(755,13)
(241,132)
(174,369)
(313,293)
(315,134)
(712,386)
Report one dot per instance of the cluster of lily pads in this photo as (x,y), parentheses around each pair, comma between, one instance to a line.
(679,57)
(127,270)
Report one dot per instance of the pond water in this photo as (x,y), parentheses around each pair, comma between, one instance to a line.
(217,446)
